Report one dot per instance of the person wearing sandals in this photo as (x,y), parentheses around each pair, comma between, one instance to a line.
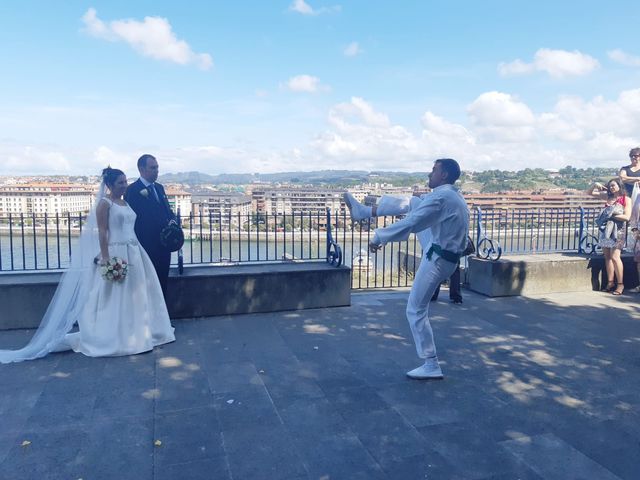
(613,230)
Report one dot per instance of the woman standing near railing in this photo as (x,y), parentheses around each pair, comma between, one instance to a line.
(612,224)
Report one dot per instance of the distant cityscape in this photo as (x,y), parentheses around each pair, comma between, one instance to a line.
(230,197)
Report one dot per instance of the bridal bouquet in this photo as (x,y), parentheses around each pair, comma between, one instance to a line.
(115,269)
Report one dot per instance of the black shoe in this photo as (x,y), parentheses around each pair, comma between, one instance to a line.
(456,300)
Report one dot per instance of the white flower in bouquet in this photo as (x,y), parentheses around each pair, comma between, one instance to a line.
(115,269)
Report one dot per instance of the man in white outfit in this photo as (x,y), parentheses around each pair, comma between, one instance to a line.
(446,214)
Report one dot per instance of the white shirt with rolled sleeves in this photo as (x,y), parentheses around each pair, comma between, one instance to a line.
(443,210)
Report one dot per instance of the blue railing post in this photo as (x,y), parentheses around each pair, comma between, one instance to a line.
(334,252)
(581,229)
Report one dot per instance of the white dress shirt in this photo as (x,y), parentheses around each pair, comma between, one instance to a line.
(443,210)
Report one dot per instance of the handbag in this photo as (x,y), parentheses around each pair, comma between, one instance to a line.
(470,249)
(172,237)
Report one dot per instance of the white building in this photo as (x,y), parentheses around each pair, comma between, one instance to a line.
(288,200)
(223,209)
(179,200)
(46,198)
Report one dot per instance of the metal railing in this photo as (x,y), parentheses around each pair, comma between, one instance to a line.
(43,242)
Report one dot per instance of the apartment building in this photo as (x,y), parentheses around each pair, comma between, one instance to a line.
(287,200)
(223,209)
(46,198)
(529,200)
(179,200)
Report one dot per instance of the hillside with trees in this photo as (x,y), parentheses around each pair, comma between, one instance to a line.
(489,181)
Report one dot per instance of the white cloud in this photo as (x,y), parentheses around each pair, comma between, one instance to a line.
(500,116)
(153,37)
(499,131)
(557,63)
(517,67)
(306,84)
(352,50)
(503,133)
(302,7)
(624,58)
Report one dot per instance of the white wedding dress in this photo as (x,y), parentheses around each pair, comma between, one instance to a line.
(114,318)
(126,317)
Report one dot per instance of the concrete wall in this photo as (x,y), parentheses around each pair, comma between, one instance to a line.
(201,291)
(542,273)
(207,291)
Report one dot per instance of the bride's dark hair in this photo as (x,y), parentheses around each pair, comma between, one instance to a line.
(110,175)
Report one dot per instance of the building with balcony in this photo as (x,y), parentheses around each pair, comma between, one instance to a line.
(287,200)
(223,209)
(179,200)
(46,198)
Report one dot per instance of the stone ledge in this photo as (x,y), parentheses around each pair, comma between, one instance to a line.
(542,273)
(200,291)
(207,291)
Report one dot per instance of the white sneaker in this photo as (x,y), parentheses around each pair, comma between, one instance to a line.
(635,290)
(430,369)
(357,210)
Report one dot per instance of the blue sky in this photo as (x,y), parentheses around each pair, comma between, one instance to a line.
(265,86)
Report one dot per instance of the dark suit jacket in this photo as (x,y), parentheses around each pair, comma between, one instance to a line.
(152,216)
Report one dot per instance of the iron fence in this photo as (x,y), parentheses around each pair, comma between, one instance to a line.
(30,242)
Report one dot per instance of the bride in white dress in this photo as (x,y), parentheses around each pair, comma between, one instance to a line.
(114,318)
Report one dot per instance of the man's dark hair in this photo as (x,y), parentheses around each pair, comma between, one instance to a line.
(634,151)
(142,161)
(452,168)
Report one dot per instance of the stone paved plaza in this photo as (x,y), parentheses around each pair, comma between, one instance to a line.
(535,388)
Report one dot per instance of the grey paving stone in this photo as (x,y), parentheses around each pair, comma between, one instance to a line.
(246,408)
(123,402)
(233,376)
(290,379)
(16,406)
(187,435)
(386,435)
(354,400)
(613,444)
(337,456)
(207,469)
(471,450)
(310,415)
(552,458)
(8,440)
(425,466)
(51,454)
(128,453)
(330,370)
(61,405)
(262,452)
(181,383)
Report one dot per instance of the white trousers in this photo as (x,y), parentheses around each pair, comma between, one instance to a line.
(430,274)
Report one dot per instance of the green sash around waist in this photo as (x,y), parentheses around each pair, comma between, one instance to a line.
(442,253)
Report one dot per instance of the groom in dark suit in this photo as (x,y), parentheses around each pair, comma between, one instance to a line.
(148,199)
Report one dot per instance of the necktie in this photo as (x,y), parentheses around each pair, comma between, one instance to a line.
(152,187)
